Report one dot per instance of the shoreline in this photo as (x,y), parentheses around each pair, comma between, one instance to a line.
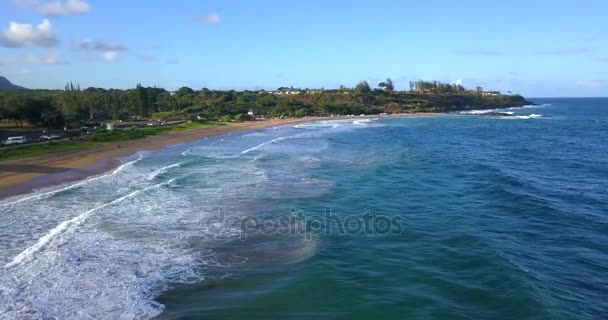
(22,176)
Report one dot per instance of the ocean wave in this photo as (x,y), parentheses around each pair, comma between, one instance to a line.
(325,124)
(70,224)
(531,116)
(363,121)
(163,170)
(91,274)
(537,105)
(499,110)
(38,195)
(275,140)
(477,112)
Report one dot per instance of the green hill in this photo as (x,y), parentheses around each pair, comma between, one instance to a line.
(5,84)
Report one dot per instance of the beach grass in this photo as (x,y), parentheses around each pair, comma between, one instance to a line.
(94,140)
(32,150)
(139,133)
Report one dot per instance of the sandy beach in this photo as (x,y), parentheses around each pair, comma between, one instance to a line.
(25,175)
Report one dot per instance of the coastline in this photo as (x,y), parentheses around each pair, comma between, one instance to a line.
(23,176)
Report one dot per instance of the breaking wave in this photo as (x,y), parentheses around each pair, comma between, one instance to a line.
(531,116)
(45,194)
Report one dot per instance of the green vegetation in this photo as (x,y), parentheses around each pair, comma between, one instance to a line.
(164,115)
(139,133)
(32,150)
(74,107)
(93,140)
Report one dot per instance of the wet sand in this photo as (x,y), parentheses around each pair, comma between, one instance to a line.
(25,175)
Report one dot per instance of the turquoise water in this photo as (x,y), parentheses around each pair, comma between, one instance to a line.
(443,217)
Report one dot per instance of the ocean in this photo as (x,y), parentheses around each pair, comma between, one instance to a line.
(458,216)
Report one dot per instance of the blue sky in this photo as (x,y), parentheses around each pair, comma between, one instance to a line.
(536,48)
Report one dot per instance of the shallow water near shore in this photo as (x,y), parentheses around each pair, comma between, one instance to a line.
(443,217)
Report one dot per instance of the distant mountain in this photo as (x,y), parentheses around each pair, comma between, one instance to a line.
(7,85)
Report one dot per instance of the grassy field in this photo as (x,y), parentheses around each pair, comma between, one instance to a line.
(32,150)
(139,133)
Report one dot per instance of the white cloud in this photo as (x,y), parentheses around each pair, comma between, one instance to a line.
(46,59)
(59,8)
(210,19)
(31,59)
(111,56)
(20,35)
(110,51)
(100,45)
(25,3)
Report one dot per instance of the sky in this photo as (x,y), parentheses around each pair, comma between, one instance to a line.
(536,48)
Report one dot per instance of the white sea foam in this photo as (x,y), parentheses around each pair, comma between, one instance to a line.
(486,111)
(362,121)
(163,170)
(531,116)
(117,246)
(532,106)
(275,140)
(95,273)
(335,123)
(70,224)
(185,153)
(477,112)
(128,164)
(38,195)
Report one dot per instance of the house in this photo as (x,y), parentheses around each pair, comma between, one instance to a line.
(250,112)
(287,92)
(490,93)
(424,90)
(125,125)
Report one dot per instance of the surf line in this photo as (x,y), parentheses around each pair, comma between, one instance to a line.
(163,170)
(68,225)
(38,196)
(272,141)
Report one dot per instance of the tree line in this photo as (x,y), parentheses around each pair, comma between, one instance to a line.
(73,106)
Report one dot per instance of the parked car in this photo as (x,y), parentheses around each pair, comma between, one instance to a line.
(15,140)
(49,137)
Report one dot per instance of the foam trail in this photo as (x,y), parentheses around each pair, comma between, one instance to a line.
(484,111)
(38,196)
(128,164)
(70,225)
(265,143)
(186,152)
(163,170)
(362,122)
(273,141)
(532,116)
